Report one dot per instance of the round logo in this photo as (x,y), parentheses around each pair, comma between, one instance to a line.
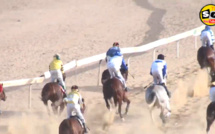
(207,15)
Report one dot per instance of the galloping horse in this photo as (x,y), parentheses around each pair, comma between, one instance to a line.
(114,88)
(206,58)
(156,95)
(72,125)
(2,94)
(53,91)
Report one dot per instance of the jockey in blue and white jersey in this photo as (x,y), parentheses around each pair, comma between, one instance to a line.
(114,61)
(207,37)
(159,71)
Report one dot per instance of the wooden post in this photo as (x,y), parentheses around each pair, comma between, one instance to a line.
(178,49)
(128,61)
(98,81)
(195,42)
(76,73)
(29,97)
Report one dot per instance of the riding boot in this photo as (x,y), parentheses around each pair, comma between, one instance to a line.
(212,46)
(167,91)
(85,128)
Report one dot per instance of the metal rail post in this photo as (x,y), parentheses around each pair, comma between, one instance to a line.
(154,53)
(195,42)
(29,97)
(98,81)
(178,49)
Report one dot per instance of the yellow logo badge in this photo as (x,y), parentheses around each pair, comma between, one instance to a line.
(207,15)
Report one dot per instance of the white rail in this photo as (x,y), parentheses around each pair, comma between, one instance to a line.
(85,61)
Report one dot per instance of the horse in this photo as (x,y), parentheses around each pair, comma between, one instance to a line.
(156,95)
(72,125)
(206,58)
(2,94)
(53,91)
(113,88)
(210,115)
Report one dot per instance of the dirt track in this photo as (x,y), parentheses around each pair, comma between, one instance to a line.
(32,32)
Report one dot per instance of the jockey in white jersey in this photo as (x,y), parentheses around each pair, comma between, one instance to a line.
(159,72)
(114,61)
(74,103)
(207,37)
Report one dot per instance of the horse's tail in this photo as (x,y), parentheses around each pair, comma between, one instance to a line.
(150,96)
(154,98)
(45,94)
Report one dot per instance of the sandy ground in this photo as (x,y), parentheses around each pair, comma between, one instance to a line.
(33,31)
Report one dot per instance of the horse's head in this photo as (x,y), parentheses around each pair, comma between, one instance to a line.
(2,93)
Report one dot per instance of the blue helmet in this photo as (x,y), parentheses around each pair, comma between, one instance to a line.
(207,27)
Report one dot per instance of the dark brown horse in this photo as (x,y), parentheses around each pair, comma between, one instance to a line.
(113,88)
(72,125)
(2,94)
(53,91)
(206,58)
(210,116)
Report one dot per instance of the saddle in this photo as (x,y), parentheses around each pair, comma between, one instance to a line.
(79,120)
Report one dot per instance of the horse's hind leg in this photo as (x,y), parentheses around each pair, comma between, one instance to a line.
(128,104)
(151,114)
(119,110)
(107,104)
(47,107)
(54,108)
(162,116)
(209,123)
(61,108)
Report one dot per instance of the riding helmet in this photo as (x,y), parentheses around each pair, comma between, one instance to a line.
(161,57)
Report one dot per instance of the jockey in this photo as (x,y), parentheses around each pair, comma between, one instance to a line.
(74,103)
(114,61)
(212,92)
(207,37)
(159,72)
(56,70)
(124,67)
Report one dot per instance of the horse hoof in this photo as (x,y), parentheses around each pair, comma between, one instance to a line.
(168,114)
(123,119)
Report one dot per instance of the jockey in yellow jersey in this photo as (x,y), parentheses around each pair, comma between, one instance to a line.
(74,103)
(56,70)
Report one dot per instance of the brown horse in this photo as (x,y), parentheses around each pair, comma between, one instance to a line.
(210,116)
(113,88)
(72,125)
(206,58)
(53,91)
